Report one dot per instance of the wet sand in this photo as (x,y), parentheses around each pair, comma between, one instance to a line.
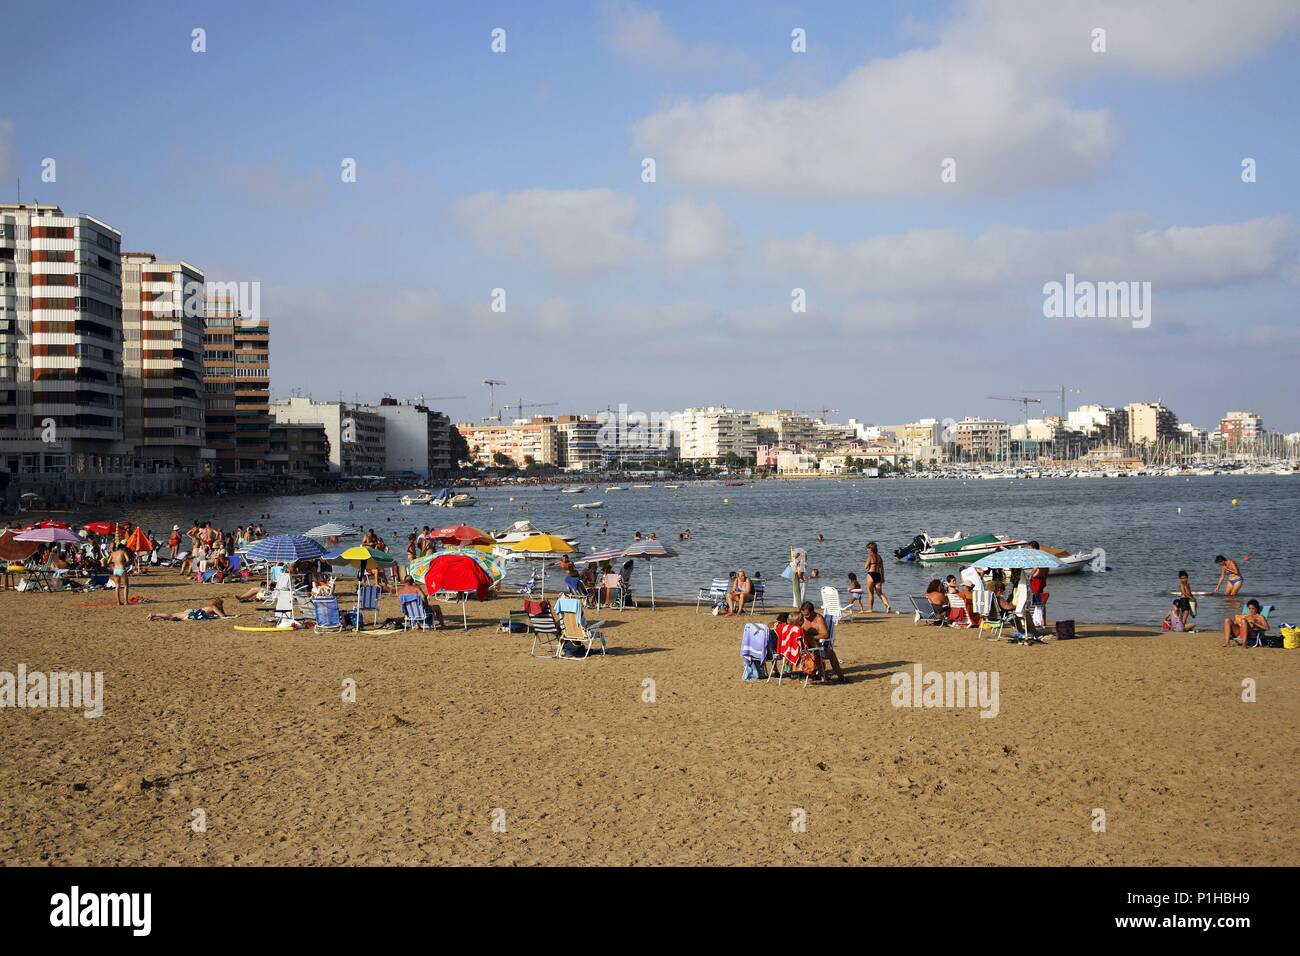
(461,748)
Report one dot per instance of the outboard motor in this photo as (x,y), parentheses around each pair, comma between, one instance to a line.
(909,553)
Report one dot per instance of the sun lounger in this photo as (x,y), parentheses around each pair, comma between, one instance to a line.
(546,633)
(715,593)
(831,606)
(327,614)
(925,611)
(415,613)
(575,629)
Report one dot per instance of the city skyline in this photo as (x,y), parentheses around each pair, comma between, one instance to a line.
(522,171)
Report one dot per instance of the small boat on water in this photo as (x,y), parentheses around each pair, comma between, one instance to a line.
(516,533)
(968,550)
(586,505)
(642,487)
(613,488)
(672,487)
(1094,559)
(921,542)
(423,498)
(572,491)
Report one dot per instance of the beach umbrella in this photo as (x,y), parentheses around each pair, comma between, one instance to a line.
(47,523)
(331,529)
(100,527)
(485,559)
(139,541)
(544,547)
(461,534)
(649,550)
(1023,558)
(595,557)
(49,536)
(285,549)
(461,574)
(359,555)
(12,549)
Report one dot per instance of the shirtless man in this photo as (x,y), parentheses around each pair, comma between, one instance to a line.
(1230,571)
(815,630)
(1242,624)
(408,586)
(213,611)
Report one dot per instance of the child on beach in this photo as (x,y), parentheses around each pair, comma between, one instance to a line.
(855,592)
(1174,620)
(1186,601)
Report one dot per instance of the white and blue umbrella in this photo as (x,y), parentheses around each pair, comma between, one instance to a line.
(331,529)
(649,550)
(285,549)
(1023,558)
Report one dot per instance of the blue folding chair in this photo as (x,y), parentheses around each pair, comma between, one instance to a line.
(415,614)
(367,600)
(327,614)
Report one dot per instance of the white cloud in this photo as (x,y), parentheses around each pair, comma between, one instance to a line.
(943,261)
(641,36)
(584,233)
(694,234)
(990,94)
(576,232)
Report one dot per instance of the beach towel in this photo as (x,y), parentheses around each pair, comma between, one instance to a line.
(788,637)
(753,642)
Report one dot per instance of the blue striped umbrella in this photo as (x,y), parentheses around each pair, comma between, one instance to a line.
(285,549)
(331,529)
(597,556)
(649,550)
(1022,558)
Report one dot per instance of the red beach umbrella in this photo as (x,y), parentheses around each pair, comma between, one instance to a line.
(456,572)
(139,541)
(47,523)
(100,527)
(11,550)
(461,534)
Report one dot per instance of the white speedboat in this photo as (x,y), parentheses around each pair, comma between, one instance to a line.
(613,488)
(1093,559)
(422,499)
(572,491)
(642,487)
(587,505)
(968,550)
(516,533)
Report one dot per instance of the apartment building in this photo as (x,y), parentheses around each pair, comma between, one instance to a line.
(1241,428)
(357,438)
(417,438)
(236,386)
(1100,423)
(297,449)
(982,439)
(783,428)
(61,397)
(162,362)
(536,439)
(580,443)
(713,433)
(1151,423)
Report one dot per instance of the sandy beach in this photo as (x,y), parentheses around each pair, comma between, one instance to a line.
(462,749)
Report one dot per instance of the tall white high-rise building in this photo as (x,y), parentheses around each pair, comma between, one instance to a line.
(714,433)
(61,401)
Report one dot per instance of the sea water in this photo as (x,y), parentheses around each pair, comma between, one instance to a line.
(1149,527)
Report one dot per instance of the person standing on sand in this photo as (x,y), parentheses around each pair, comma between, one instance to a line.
(1186,601)
(120,560)
(174,540)
(875,568)
(1230,571)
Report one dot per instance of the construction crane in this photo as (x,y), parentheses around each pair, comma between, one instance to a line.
(521,405)
(1062,391)
(822,413)
(493,414)
(1024,401)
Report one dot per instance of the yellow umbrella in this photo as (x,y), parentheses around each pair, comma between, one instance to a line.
(543,546)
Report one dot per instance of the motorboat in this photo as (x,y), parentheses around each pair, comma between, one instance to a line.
(968,550)
(572,491)
(921,542)
(505,540)
(587,505)
(424,498)
(642,487)
(1094,559)
(613,488)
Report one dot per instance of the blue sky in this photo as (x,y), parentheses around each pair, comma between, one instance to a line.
(776,170)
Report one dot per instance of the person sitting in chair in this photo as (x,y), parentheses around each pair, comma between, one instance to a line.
(816,634)
(741,591)
(1244,624)
(408,586)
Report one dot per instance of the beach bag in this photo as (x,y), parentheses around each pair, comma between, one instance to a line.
(572,649)
(807,664)
(1038,615)
(1290,636)
(1064,630)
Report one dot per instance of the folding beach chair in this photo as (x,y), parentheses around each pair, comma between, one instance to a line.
(415,615)
(925,611)
(788,651)
(755,648)
(327,614)
(367,600)
(546,633)
(821,650)
(532,586)
(984,603)
(283,613)
(758,598)
(957,603)
(1257,634)
(715,593)
(831,606)
(576,630)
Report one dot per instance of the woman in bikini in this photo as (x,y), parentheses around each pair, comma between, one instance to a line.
(1229,571)
(875,568)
